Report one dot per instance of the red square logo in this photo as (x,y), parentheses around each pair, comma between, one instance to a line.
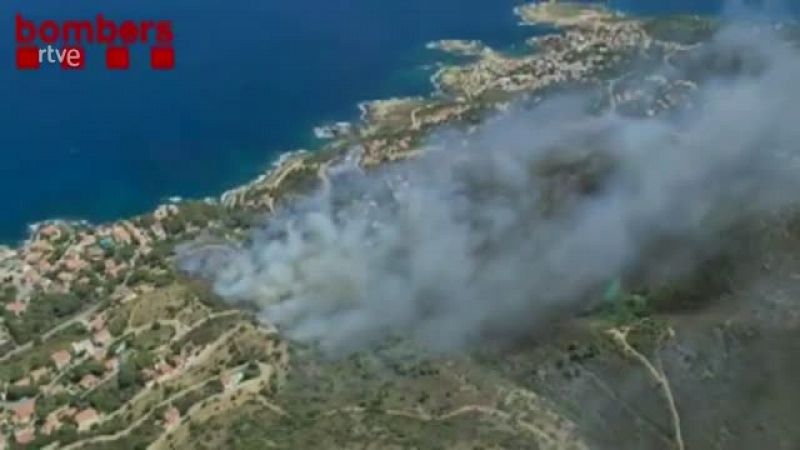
(162,58)
(117,58)
(27,58)
(73,58)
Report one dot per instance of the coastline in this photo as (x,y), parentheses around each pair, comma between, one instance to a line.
(369,110)
(388,130)
(67,271)
(240,173)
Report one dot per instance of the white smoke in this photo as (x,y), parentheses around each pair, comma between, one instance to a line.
(507,228)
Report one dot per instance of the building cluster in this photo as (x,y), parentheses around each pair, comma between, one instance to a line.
(20,420)
(63,256)
(572,56)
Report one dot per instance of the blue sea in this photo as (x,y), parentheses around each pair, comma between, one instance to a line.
(251,80)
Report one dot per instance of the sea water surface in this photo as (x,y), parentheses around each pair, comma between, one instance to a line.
(252,78)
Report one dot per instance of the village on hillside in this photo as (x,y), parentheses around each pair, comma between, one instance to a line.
(103,342)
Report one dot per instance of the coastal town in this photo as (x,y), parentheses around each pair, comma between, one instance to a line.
(103,342)
(85,321)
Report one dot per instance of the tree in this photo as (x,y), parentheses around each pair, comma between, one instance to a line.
(117,325)
(251,371)
(8,294)
(63,305)
(89,367)
(46,404)
(65,434)
(127,376)
(104,400)
(13,372)
(14,393)
(143,359)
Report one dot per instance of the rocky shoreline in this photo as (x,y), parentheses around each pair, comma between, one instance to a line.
(61,255)
(98,314)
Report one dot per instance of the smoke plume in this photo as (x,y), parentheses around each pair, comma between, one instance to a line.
(510,226)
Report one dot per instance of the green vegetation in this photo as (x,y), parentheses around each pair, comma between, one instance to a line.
(682,29)
(208,332)
(298,182)
(252,371)
(14,393)
(240,219)
(205,294)
(45,311)
(128,375)
(159,255)
(392,397)
(151,338)
(137,439)
(87,367)
(106,399)
(147,275)
(46,404)
(704,285)
(123,253)
(8,294)
(117,325)
(67,433)
(190,398)
(196,213)
(254,427)
(626,309)
(114,393)
(39,355)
